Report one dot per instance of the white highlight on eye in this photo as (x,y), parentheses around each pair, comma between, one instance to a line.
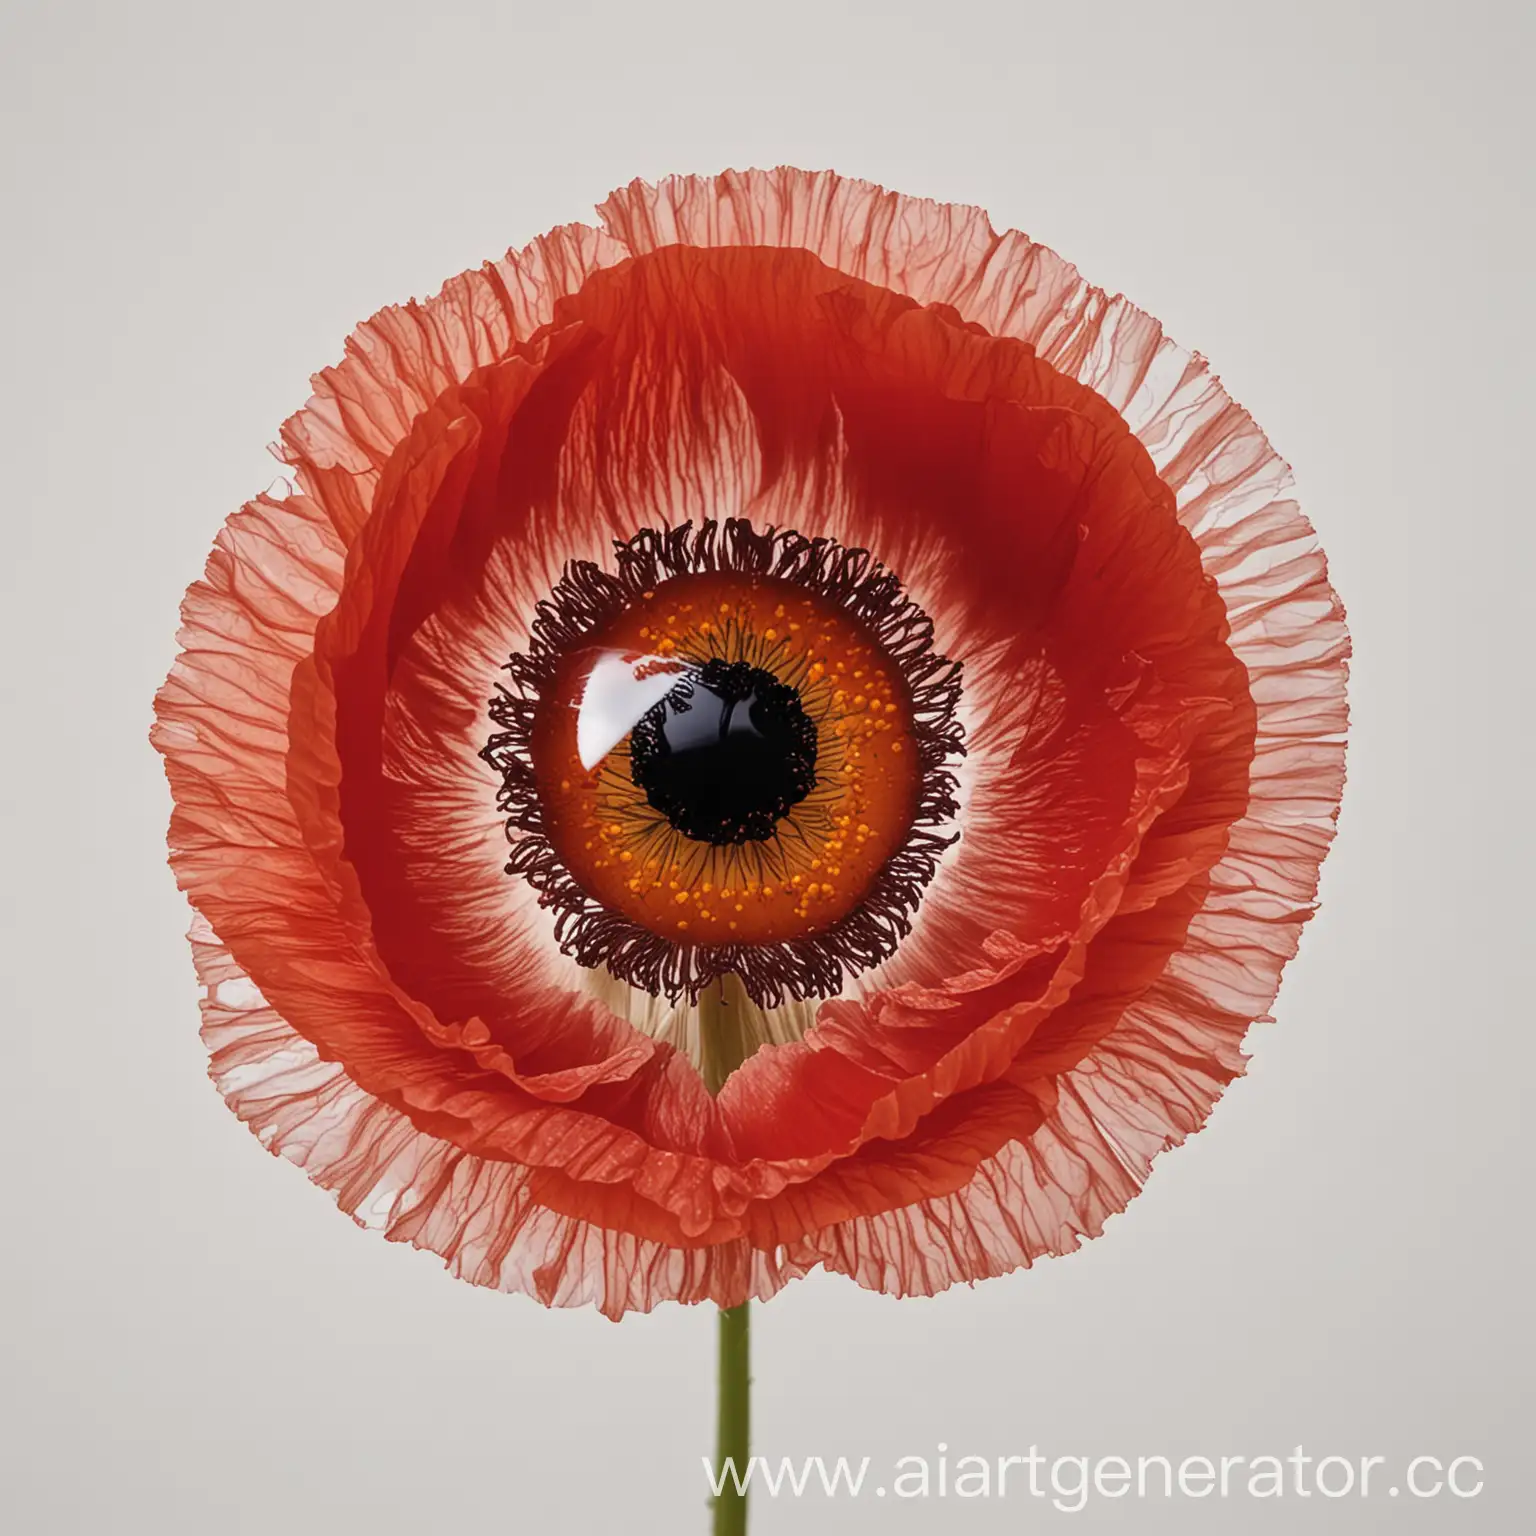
(619,687)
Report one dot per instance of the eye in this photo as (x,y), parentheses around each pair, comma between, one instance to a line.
(731,753)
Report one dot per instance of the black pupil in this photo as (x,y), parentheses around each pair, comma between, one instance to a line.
(726,753)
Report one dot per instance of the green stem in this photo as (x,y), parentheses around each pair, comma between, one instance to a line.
(734,1426)
(723,1046)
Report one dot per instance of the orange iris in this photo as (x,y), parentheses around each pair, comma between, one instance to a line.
(826,851)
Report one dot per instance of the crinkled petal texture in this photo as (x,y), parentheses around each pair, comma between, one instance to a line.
(1154,669)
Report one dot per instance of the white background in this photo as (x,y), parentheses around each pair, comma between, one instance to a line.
(1330,200)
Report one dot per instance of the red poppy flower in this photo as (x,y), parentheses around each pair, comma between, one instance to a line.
(914,708)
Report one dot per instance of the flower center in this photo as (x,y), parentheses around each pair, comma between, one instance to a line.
(726,754)
(763,812)
(731,756)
